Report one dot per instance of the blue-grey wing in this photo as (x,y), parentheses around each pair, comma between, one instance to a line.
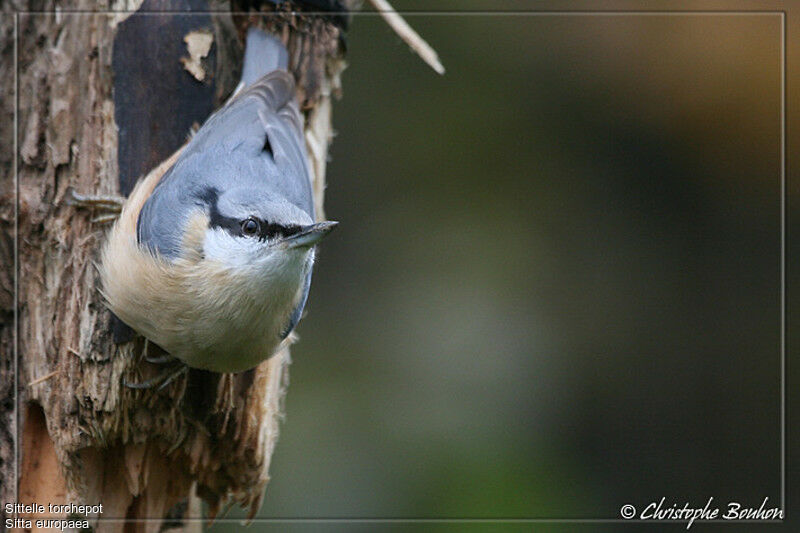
(159,226)
(262,122)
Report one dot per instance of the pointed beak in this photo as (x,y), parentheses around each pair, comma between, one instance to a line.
(310,235)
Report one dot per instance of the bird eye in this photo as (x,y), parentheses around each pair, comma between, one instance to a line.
(250,227)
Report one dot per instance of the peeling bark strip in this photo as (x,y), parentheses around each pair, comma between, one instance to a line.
(199,45)
(143,454)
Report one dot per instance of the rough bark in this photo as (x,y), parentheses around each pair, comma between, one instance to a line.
(7,404)
(85,437)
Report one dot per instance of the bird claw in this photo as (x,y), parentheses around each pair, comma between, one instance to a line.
(155,359)
(165,379)
(158,360)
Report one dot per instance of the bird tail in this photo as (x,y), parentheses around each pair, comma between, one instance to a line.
(266,88)
(263,54)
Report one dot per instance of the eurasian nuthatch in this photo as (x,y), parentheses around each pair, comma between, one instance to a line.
(213,261)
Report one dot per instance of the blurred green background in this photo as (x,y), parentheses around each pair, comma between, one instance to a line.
(556,284)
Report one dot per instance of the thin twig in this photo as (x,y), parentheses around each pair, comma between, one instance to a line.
(43,378)
(407,33)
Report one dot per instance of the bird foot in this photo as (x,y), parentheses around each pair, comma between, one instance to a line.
(105,207)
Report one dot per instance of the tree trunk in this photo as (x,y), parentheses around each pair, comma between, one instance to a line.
(103,99)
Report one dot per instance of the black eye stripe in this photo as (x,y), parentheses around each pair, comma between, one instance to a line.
(217,219)
(235,226)
(264,231)
(277,230)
